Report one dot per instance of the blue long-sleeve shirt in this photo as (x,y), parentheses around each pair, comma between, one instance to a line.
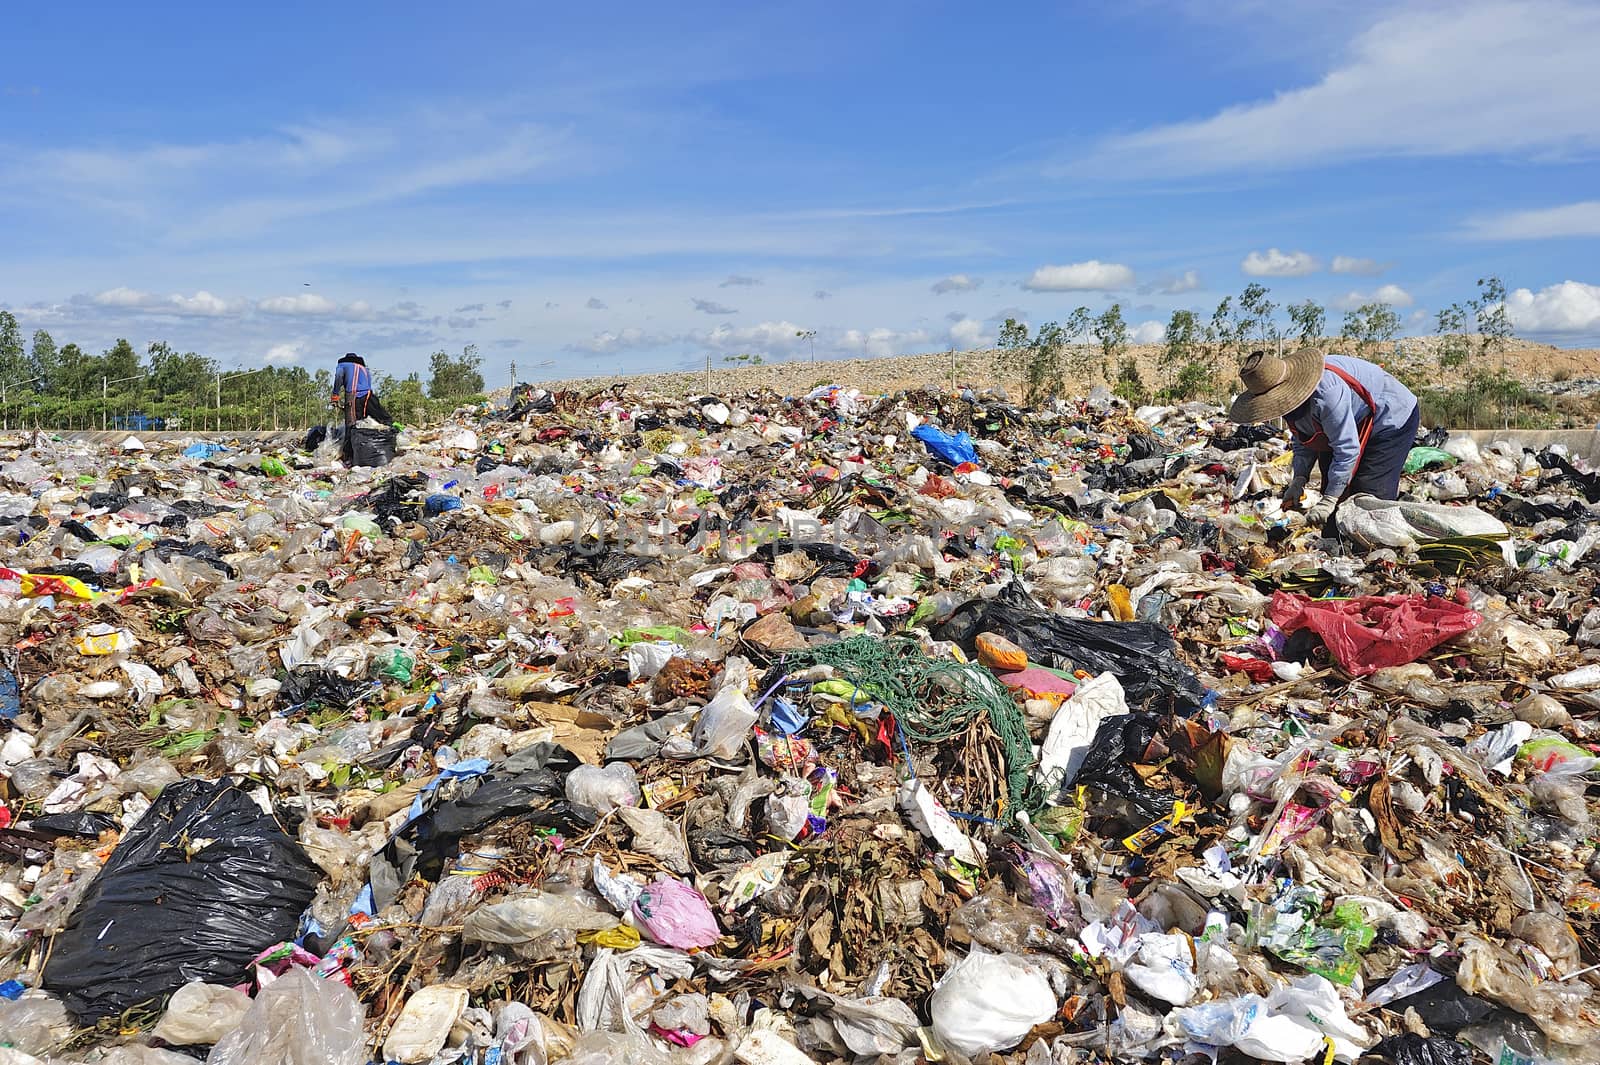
(352,379)
(1338,412)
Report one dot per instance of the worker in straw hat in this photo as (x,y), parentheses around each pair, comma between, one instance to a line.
(1348,417)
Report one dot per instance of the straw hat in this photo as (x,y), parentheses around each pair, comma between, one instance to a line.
(1273,387)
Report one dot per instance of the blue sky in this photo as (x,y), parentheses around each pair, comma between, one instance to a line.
(633,186)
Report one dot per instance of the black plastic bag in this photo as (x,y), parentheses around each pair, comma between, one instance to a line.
(529,786)
(372,447)
(1143,655)
(399,499)
(1435,437)
(1118,744)
(74,823)
(1410,1048)
(313,687)
(1444,1007)
(314,438)
(200,886)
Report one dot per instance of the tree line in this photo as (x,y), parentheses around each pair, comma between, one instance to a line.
(49,386)
(1199,356)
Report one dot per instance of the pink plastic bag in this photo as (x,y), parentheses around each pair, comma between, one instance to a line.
(676,915)
(1373,632)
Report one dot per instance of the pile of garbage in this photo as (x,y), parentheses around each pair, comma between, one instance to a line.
(767,729)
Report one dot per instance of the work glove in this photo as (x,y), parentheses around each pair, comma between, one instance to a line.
(1293,491)
(1319,514)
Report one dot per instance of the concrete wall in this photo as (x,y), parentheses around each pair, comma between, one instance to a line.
(1580,443)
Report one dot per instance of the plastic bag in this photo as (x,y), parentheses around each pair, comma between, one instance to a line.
(724,724)
(372,447)
(954,448)
(34,1023)
(298,1019)
(658,836)
(603,790)
(990,1002)
(201,885)
(1374,522)
(1370,632)
(1119,742)
(1142,655)
(1409,1048)
(1073,729)
(424,1024)
(1422,458)
(676,915)
(200,1014)
(525,919)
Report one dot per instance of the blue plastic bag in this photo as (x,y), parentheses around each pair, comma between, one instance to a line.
(203,450)
(10,695)
(440,503)
(953,448)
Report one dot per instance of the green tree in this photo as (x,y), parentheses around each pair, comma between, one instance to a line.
(1454,345)
(1308,321)
(1253,321)
(1494,321)
(1370,326)
(44,360)
(1221,338)
(13,360)
(1042,373)
(1112,333)
(1130,383)
(455,377)
(1079,357)
(1183,359)
(406,401)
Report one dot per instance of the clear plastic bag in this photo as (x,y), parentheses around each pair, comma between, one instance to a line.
(298,1019)
(603,790)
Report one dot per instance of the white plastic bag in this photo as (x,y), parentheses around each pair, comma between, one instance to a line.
(603,790)
(298,1019)
(724,724)
(1164,968)
(199,1014)
(526,919)
(1072,729)
(990,1002)
(424,1024)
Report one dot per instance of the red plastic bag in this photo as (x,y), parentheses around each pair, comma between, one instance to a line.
(1258,669)
(1373,632)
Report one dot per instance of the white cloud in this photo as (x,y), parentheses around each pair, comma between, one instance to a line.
(612,341)
(1349,264)
(1275,263)
(1393,295)
(304,304)
(1148,333)
(1486,78)
(881,341)
(1569,220)
(712,307)
(1569,307)
(595,304)
(739,281)
(766,338)
(954,283)
(201,305)
(1090,276)
(1188,281)
(969,333)
(822,294)
(282,355)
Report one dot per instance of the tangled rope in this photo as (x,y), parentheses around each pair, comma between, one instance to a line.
(934,699)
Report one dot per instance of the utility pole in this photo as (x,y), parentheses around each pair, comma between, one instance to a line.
(105,404)
(708,373)
(513,379)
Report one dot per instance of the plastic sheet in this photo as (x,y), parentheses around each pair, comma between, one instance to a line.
(1370,633)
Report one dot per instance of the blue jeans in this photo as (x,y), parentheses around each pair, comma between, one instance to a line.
(1382,462)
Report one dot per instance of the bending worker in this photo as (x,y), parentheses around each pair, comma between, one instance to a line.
(1348,417)
(352,390)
